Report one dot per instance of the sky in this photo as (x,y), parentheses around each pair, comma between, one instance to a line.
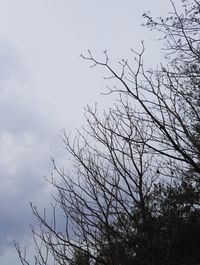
(45,85)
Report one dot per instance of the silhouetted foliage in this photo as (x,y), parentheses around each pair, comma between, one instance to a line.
(133,196)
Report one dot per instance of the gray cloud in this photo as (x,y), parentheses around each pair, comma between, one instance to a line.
(26,142)
(44,86)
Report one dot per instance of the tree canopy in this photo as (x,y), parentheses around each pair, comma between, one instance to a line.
(133,194)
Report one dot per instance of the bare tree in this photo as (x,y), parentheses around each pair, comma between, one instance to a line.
(136,167)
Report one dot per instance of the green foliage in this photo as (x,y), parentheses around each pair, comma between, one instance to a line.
(170,235)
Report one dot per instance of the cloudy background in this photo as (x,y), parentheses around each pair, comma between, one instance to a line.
(44,86)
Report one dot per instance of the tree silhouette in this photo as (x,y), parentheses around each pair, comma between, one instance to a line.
(133,196)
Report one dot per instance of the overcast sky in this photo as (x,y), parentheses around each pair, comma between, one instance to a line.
(44,86)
